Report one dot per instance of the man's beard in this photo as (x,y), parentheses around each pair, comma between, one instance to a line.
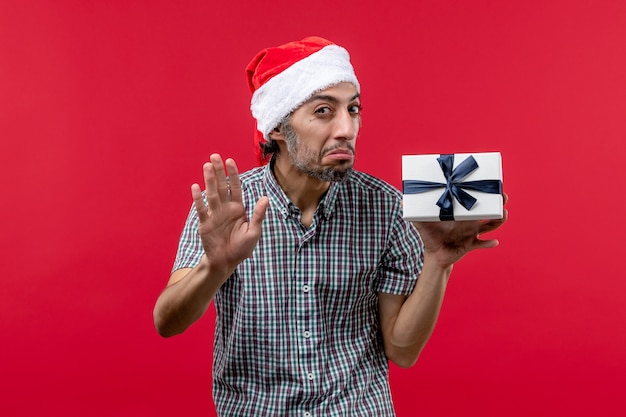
(304,159)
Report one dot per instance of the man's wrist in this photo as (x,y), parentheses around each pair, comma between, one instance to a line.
(436,265)
(217,269)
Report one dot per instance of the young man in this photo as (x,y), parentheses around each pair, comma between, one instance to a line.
(312,269)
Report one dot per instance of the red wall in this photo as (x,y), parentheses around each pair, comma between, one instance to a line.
(109,108)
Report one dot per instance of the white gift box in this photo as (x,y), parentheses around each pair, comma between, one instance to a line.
(448,180)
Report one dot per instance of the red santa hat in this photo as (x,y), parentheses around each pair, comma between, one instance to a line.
(282,78)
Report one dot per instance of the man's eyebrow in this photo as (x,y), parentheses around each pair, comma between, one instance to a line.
(330,98)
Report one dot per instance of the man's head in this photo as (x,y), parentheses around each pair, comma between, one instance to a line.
(284,78)
(318,139)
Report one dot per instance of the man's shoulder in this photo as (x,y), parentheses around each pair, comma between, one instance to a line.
(371,184)
(252,176)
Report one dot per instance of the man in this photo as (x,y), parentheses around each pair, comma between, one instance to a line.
(313,271)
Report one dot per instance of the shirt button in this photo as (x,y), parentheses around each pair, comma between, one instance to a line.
(307,334)
(305,288)
(307,414)
(310,376)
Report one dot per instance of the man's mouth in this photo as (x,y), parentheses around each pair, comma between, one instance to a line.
(341,154)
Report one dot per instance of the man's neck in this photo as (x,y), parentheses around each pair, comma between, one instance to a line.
(303,190)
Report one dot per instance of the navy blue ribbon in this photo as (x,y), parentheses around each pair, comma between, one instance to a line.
(454,187)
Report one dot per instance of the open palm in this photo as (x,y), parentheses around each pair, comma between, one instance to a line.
(227,236)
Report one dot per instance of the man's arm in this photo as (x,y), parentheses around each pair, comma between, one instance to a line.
(186,297)
(227,239)
(408,322)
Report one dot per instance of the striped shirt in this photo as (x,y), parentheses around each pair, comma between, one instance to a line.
(297,329)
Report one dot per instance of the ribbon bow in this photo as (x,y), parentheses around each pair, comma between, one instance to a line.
(454,187)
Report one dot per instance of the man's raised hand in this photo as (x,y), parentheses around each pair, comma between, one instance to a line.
(227,236)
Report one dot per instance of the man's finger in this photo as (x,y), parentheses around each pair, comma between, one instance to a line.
(233,180)
(491,225)
(259,214)
(486,244)
(198,201)
(212,194)
(220,177)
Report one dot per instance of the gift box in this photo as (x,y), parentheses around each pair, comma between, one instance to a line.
(459,186)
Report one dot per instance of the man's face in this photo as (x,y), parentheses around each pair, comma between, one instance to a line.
(321,134)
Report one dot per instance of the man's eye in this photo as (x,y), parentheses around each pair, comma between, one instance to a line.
(355,109)
(323,110)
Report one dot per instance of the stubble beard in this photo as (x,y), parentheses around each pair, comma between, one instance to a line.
(304,159)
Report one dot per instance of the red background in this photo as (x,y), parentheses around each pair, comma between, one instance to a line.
(109,108)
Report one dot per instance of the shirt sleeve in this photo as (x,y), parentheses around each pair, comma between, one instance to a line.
(402,261)
(190,248)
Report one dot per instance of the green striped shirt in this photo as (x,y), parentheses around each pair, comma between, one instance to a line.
(297,330)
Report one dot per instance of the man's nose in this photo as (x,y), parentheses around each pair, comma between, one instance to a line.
(346,125)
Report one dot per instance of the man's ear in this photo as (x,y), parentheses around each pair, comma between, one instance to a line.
(277,133)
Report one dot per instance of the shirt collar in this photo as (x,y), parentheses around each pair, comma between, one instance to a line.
(285,206)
